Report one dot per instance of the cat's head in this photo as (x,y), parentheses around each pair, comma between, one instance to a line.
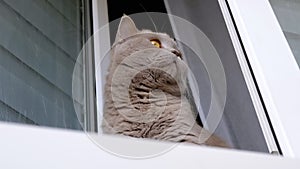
(144,49)
(127,32)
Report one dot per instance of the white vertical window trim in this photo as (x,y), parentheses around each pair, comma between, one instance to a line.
(249,81)
(101,42)
(274,66)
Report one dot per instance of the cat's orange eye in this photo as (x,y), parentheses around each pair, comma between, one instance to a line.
(156,43)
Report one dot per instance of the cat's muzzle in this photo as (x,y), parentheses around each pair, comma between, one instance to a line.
(177,53)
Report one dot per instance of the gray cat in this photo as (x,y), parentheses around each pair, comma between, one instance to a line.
(145,90)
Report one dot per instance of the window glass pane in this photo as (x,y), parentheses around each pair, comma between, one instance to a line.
(39,45)
(288,15)
(239,125)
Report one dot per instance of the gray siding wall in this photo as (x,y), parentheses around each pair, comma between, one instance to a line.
(39,44)
(288,15)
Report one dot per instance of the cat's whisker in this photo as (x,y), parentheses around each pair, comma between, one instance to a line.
(162,27)
(149,17)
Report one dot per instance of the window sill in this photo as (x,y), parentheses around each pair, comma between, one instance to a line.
(28,146)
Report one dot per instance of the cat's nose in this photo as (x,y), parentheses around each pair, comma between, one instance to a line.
(177,53)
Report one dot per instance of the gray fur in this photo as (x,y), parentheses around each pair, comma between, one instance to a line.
(145,90)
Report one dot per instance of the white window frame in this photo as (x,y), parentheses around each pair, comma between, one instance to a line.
(33,147)
(101,42)
(274,66)
(256,101)
(260,52)
(249,79)
(25,146)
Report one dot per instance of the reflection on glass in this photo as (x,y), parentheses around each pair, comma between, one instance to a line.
(39,45)
(239,125)
(288,15)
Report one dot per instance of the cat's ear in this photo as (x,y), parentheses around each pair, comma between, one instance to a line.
(126,28)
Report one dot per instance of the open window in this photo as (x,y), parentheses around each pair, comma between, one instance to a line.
(245,123)
(50,75)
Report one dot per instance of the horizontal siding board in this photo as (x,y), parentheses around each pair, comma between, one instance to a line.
(39,45)
(35,50)
(31,104)
(33,79)
(288,14)
(294,42)
(68,8)
(10,115)
(49,21)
